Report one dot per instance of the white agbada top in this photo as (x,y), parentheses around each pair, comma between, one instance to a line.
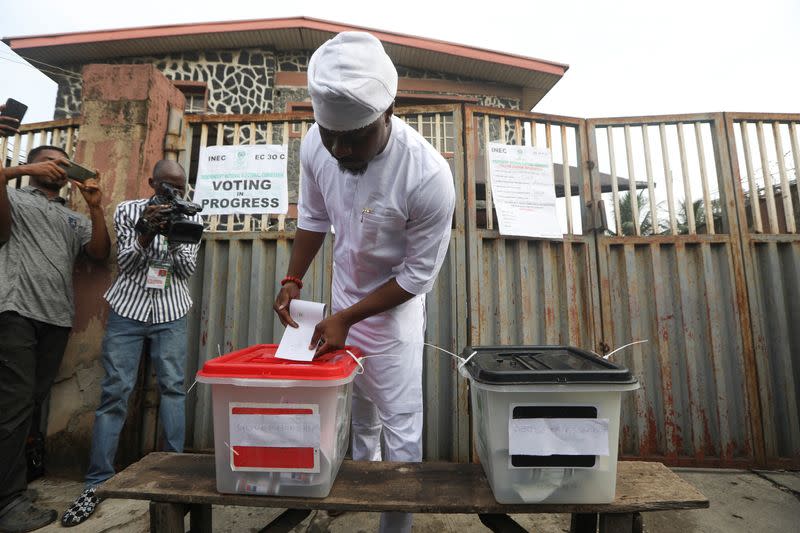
(393,221)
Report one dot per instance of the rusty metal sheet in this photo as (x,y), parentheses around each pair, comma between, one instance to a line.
(685,293)
(772,274)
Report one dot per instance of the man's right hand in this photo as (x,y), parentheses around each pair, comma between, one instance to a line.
(155,214)
(8,125)
(288,292)
(51,170)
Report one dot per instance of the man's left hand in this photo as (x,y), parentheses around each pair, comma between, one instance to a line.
(8,125)
(332,332)
(90,189)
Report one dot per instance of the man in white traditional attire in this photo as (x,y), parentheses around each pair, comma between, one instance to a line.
(389,196)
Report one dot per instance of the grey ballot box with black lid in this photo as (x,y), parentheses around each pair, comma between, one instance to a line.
(510,365)
(546,421)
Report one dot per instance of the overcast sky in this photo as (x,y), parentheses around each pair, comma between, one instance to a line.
(626,57)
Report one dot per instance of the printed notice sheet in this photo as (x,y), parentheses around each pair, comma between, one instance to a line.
(246,179)
(558,436)
(295,341)
(523,190)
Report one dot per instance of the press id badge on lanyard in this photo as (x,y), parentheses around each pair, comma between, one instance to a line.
(159,275)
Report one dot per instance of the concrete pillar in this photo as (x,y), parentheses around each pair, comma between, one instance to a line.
(125,115)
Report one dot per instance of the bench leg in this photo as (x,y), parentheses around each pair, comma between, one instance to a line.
(583,523)
(286,521)
(200,518)
(166,517)
(500,523)
(621,523)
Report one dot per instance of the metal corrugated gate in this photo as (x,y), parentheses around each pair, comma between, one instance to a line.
(674,265)
(766,172)
(671,272)
(530,291)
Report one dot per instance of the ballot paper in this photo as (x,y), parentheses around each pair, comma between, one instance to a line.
(558,436)
(295,341)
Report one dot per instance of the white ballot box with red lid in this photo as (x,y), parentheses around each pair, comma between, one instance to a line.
(280,427)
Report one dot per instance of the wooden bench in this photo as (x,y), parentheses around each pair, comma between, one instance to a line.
(179,483)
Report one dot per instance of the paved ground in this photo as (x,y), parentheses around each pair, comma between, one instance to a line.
(741,502)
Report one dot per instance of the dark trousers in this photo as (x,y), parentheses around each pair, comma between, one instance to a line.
(30,353)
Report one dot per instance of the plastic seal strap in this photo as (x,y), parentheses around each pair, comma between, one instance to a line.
(465,361)
(192,386)
(461,360)
(358,362)
(609,354)
(231,448)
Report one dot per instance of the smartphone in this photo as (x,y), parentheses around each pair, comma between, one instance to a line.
(14,109)
(79,173)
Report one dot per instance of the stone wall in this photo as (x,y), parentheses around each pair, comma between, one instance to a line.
(239,81)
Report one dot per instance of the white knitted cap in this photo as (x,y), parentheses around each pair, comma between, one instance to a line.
(351,81)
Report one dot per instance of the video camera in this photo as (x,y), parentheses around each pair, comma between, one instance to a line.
(179,229)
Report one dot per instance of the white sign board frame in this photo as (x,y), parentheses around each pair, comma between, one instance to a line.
(242,179)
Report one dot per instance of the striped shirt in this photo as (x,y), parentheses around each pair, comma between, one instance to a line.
(128,295)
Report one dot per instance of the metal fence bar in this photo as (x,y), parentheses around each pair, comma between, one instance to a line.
(795,156)
(786,191)
(548,134)
(438,137)
(755,197)
(488,174)
(673,220)
(70,140)
(614,182)
(650,182)
(769,189)
(282,217)
(567,181)
(634,200)
(265,219)
(687,187)
(701,157)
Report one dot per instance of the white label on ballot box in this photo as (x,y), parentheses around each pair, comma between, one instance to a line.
(274,437)
(558,436)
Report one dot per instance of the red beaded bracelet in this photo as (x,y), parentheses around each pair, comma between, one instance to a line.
(296,281)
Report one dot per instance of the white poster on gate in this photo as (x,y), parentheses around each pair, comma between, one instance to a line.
(248,180)
(523,190)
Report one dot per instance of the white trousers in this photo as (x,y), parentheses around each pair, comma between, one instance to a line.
(402,441)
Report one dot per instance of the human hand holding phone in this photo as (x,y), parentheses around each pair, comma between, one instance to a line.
(11,114)
(78,173)
(90,189)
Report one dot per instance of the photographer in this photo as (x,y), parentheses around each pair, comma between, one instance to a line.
(40,239)
(149,300)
